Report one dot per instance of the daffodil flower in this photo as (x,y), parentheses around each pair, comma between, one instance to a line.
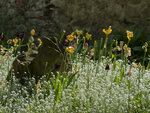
(40,41)
(88,36)
(129,34)
(108,31)
(32,32)
(79,32)
(15,41)
(71,37)
(70,49)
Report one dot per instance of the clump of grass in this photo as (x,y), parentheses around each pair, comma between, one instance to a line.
(93,85)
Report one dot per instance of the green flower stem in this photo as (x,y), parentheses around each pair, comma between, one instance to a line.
(139,77)
(144,58)
(128,81)
(100,51)
(128,42)
(111,47)
(84,53)
(99,56)
(105,45)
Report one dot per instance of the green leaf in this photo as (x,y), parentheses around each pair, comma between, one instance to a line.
(122,74)
(53,83)
(138,48)
(71,78)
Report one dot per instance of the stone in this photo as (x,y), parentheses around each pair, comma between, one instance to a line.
(58,15)
(50,57)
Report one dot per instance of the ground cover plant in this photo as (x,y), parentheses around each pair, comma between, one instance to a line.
(97,83)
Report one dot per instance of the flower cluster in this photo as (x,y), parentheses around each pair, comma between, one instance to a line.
(73,40)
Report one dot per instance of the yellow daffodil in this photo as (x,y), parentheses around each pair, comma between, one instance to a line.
(70,49)
(88,36)
(108,31)
(38,87)
(32,32)
(71,37)
(79,32)
(40,41)
(72,33)
(15,41)
(129,34)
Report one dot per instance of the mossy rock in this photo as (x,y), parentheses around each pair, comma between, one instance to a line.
(50,57)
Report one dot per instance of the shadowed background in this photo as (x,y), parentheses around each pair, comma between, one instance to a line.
(50,17)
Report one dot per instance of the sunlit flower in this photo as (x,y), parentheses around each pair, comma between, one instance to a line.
(70,49)
(40,41)
(127,51)
(79,32)
(88,36)
(108,31)
(38,87)
(15,41)
(72,33)
(71,37)
(32,32)
(129,34)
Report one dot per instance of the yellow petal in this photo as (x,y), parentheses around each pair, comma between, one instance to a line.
(70,49)
(32,32)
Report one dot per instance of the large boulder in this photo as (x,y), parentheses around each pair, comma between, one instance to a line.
(50,57)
